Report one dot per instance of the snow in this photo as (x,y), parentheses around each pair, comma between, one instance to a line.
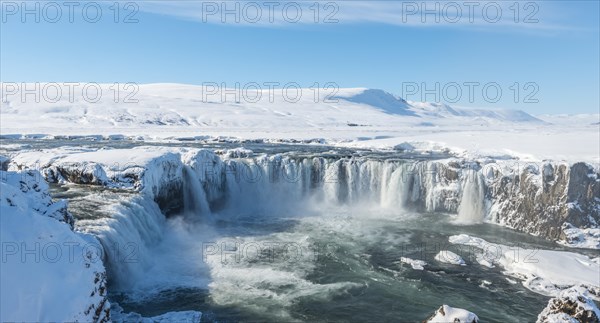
(449,257)
(581,238)
(351,117)
(49,272)
(414,263)
(447,314)
(140,168)
(571,305)
(547,272)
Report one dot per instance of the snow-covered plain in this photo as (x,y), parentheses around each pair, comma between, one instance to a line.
(353,117)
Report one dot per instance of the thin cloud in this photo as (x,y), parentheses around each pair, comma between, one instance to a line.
(479,14)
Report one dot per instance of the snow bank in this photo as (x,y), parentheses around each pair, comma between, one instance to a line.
(546,272)
(49,272)
(580,238)
(446,314)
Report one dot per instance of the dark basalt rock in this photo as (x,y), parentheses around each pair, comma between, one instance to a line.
(566,195)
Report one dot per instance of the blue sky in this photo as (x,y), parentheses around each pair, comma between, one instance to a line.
(375,45)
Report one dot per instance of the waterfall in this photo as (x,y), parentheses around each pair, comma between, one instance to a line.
(280,185)
(472,207)
(194,197)
(133,224)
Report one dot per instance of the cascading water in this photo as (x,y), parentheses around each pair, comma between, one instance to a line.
(472,203)
(131,225)
(194,196)
(279,185)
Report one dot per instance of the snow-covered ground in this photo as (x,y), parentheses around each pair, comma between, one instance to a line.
(49,272)
(353,117)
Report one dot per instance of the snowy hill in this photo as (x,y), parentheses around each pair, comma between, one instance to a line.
(436,110)
(391,104)
(385,101)
(160,106)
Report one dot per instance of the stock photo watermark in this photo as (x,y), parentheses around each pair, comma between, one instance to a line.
(71,92)
(68,251)
(272,92)
(69,11)
(234,251)
(397,12)
(471,91)
(279,12)
(269,12)
(454,12)
(253,92)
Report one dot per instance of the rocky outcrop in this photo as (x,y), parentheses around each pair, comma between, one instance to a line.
(541,201)
(4,161)
(572,305)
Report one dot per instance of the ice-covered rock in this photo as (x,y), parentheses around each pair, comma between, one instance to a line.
(571,305)
(449,257)
(414,263)
(49,272)
(234,153)
(447,314)
(580,238)
(180,317)
(4,162)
